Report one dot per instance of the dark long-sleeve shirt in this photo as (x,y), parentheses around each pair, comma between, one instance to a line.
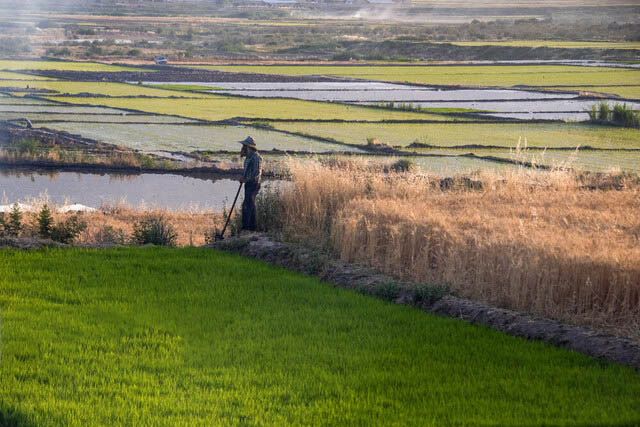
(253,168)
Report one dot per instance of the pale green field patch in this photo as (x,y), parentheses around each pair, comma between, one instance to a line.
(467,75)
(452,134)
(10,65)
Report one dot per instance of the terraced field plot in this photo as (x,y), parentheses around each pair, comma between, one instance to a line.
(485,75)
(98,88)
(17,76)
(540,109)
(217,108)
(54,108)
(171,137)
(446,135)
(453,165)
(631,92)
(370,91)
(193,336)
(92,115)
(11,65)
(595,161)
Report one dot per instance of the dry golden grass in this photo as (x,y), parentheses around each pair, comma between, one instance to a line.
(531,241)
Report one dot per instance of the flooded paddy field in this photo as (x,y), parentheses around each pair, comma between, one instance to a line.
(174,137)
(550,135)
(593,161)
(526,73)
(364,92)
(163,191)
(308,116)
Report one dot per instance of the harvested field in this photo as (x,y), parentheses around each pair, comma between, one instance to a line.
(540,243)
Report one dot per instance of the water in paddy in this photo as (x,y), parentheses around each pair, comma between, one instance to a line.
(171,137)
(550,109)
(368,92)
(174,192)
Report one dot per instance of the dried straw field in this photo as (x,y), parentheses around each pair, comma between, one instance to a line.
(546,243)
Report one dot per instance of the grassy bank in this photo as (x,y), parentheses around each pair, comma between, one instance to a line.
(195,337)
(545,243)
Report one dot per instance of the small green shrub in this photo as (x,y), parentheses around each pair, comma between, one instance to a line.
(620,114)
(387,290)
(3,224)
(625,115)
(604,111)
(13,227)
(45,222)
(68,230)
(156,230)
(429,294)
(26,146)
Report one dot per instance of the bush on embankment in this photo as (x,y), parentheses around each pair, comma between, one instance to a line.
(537,242)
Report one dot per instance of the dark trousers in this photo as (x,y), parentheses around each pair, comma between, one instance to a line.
(249,206)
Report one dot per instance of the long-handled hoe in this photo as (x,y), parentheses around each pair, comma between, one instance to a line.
(220,236)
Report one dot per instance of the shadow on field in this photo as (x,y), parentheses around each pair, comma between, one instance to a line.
(9,417)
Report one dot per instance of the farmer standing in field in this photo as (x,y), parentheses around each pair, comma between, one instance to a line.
(251,178)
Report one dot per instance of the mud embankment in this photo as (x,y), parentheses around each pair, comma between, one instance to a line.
(599,345)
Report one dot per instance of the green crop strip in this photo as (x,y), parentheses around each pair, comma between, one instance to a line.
(17,76)
(495,75)
(593,161)
(191,336)
(220,107)
(188,88)
(450,134)
(632,92)
(10,65)
(98,88)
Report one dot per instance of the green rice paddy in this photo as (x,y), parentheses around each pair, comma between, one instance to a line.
(631,92)
(98,88)
(219,107)
(550,135)
(17,76)
(195,337)
(489,75)
(80,118)
(13,65)
(175,137)
(594,161)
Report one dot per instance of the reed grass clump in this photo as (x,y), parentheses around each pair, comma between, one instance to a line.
(554,243)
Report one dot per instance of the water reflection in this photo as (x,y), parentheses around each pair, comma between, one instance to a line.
(174,192)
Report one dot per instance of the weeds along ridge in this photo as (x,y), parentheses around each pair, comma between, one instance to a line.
(114,223)
(551,243)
